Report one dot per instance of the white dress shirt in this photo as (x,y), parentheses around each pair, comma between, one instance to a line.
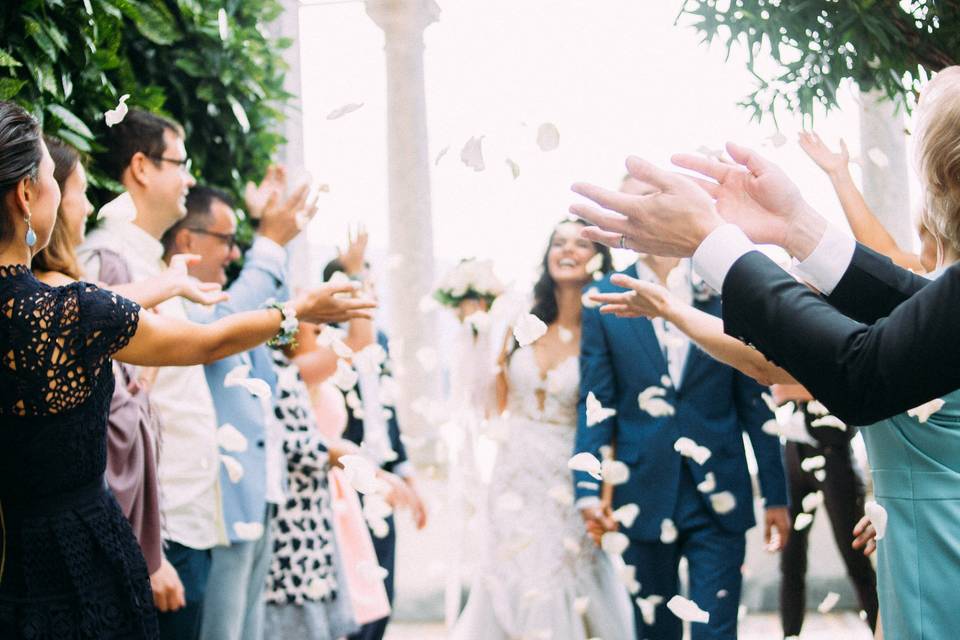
(822,269)
(189,467)
(674,344)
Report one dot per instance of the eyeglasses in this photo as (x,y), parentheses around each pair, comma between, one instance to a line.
(229,238)
(186,164)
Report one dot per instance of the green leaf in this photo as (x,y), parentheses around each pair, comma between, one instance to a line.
(152,19)
(70,120)
(35,31)
(81,144)
(10,87)
(7,60)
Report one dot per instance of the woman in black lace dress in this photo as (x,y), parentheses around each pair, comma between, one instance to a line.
(70,566)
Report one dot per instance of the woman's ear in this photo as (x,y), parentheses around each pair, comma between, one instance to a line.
(23,196)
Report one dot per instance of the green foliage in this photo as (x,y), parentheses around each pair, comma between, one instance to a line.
(888,45)
(209,64)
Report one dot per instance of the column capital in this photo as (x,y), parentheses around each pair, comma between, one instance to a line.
(403,16)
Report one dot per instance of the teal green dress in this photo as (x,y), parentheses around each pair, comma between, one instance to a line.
(916,479)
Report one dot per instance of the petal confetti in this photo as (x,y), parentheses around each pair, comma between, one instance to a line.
(829,421)
(687,610)
(690,449)
(239,377)
(668,531)
(648,608)
(651,400)
(614,542)
(585,462)
(529,329)
(614,472)
(472,154)
(230,439)
(829,602)
(596,413)
(723,502)
(233,467)
(927,409)
(548,137)
(248,530)
(117,114)
(802,521)
(627,514)
(812,463)
(339,112)
(812,500)
(514,168)
(709,483)
(878,517)
(361,473)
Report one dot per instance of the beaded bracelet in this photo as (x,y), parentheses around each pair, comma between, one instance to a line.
(287,336)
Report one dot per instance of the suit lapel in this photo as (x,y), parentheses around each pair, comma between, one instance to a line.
(695,355)
(643,330)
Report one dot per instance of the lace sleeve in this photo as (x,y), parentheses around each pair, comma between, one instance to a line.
(107,320)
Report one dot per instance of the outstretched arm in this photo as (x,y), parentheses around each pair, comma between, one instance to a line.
(866,228)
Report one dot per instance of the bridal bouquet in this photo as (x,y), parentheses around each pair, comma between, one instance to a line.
(470,280)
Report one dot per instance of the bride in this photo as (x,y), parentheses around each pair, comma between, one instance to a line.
(540,576)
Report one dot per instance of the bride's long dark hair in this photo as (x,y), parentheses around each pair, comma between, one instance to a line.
(545,289)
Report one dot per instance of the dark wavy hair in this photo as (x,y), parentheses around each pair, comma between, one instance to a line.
(545,289)
(21,150)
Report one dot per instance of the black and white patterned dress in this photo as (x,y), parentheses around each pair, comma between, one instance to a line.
(303,567)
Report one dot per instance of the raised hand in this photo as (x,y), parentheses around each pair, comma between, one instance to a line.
(758,197)
(274,183)
(281,218)
(353,258)
(643,300)
(327,303)
(671,221)
(821,154)
(186,286)
(598,520)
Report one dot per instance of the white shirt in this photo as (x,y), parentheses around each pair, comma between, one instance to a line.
(189,466)
(674,344)
(822,269)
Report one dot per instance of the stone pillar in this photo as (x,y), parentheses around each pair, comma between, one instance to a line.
(886,187)
(287,25)
(411,226)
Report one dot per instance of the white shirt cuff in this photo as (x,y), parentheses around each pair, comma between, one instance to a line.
(269,249)
(827,263)
(587,502)
(716,254)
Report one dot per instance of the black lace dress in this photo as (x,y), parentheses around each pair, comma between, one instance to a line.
(70,564)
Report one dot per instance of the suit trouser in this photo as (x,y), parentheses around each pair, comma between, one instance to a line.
(843,496)
(234,608)
(193,567)
(385,549)
(714,558)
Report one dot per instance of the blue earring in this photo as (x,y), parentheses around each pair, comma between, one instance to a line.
(31,234)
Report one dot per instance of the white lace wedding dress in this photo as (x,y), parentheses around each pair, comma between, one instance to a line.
(541,577)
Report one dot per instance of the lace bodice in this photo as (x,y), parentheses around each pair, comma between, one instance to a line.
(73,567)
(558,389)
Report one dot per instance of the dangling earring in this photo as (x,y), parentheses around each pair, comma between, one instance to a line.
(31,237)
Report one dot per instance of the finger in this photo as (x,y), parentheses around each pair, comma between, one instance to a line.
(271,201)
(753,161)
(625,281)
(650,173)
(298,198)
(180,599)
(346,287)
(606,198)
(608,238)
(612,298)
(209,286)
(861,525)
(703,165)
(620,310)
(843,147)
(767,530)
(870,548)
(711,187)
(160,600)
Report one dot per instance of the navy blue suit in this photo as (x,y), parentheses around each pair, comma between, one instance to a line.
(714,406)
(385,547)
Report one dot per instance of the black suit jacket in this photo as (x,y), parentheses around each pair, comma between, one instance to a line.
(885,340)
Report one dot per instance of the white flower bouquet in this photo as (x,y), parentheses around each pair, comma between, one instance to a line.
(470,280)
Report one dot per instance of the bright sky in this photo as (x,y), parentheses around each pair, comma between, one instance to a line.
(615,77)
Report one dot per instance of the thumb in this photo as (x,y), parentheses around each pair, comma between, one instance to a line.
(843,147)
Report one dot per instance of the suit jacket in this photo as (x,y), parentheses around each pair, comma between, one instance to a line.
(244,501)
(354,429)
(896,348)
(714,406)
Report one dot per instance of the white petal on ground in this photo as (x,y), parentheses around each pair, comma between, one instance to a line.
(595,263)
(627,514)
(345,377)
(687,610)
(370,571)
(514,168)
(528,329)
(509,502)
(440,155)
(829,602)
(562,494)
(566,336)
(230,439)
(586,301)
(927,409)
(668,531)
(614,543)
(666,381)
(596,413)
(339,112)
(690,449)
(585,462)
(581,604)
(878,517)
(829,421)
(614,472)
(816,408)
(803,521)
(361,473)
(709,483)
(651,400)
(118,113)
(812,500)
(472,154)
(248,531)
(723,502)
(548,137)
(813,462)
(648,608)
(233,467)
(878,157)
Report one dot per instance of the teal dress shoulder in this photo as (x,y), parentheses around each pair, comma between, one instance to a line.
(916,477)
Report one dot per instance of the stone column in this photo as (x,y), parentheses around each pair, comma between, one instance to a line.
(886,187)
(411,226)
(287,25)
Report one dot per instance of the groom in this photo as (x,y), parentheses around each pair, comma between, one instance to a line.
(664,388)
